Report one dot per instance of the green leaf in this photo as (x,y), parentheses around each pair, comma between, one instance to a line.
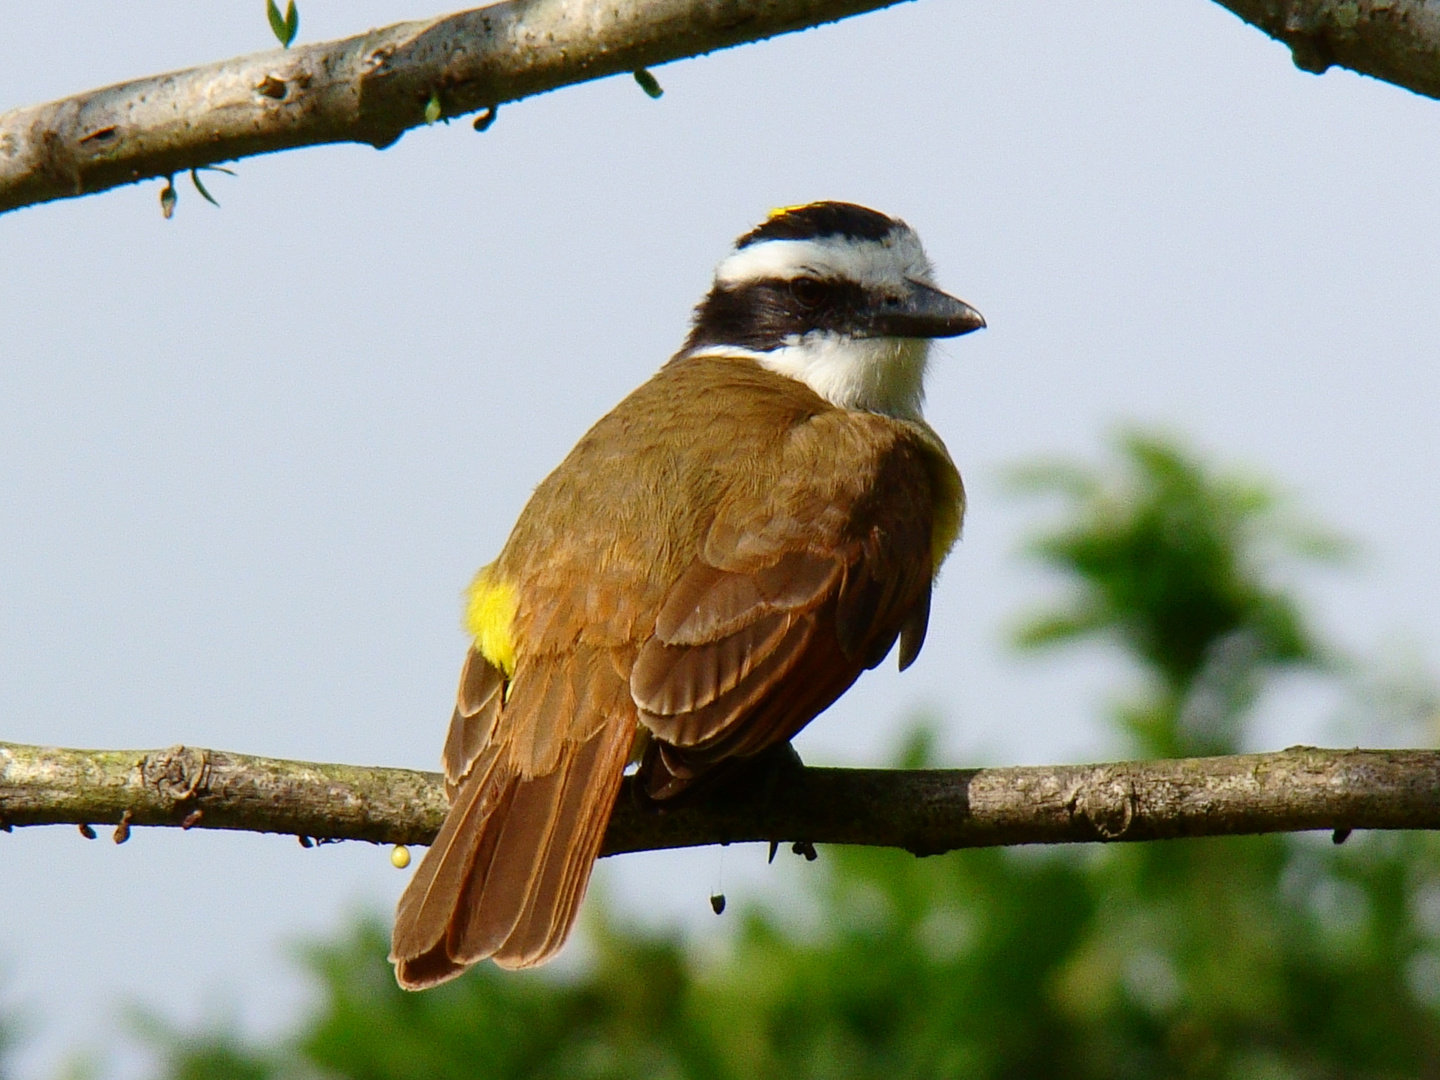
(195,179)
(284,27)
(432,108)
(648,83)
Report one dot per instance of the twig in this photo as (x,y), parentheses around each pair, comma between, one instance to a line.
(924,811)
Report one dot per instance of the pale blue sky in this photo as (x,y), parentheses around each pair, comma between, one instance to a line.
(249,456)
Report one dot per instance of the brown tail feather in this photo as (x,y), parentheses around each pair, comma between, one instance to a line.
(425,907)
(506,874)
(496,895)
(569,857)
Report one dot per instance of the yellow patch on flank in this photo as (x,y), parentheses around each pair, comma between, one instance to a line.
(490,617)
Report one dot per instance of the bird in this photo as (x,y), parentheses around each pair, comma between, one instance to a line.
(714,563)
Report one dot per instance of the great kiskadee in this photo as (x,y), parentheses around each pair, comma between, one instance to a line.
(713,565)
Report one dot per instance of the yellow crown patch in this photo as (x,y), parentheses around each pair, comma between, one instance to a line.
(781,211)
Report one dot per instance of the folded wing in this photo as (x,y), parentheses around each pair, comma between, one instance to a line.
(796,591)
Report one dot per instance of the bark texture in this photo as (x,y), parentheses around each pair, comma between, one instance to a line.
(368,89)
(1394,40)
(925,811)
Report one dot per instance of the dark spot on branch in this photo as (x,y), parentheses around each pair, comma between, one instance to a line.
(190,820)
(1310,52)
(272,87)
(804,847)
(86,831)
(1340,836)
(100,135)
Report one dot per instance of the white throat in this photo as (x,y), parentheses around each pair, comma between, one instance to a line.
(879,375)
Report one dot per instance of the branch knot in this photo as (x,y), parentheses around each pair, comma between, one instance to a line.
(1107,802)
(180,773)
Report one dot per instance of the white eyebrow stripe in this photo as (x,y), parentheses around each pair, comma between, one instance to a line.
(869,262)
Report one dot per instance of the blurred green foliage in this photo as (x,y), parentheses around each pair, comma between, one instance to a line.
(1266,957)
(1176,564)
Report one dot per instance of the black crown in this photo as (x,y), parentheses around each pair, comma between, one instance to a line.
(821,219)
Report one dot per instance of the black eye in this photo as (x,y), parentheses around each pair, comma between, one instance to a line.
(808,292)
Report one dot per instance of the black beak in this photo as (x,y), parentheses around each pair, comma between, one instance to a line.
(922,312)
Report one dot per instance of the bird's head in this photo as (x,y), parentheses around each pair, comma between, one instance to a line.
(838,296)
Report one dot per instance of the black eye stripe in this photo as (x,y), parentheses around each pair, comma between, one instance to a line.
(764,315)
(810,292)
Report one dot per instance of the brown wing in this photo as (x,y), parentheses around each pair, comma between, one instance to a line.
(533,770)
(796,591)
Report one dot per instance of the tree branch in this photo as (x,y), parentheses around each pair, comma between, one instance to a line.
(1394,40)
(370,89)
(924,811)
(374,87)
